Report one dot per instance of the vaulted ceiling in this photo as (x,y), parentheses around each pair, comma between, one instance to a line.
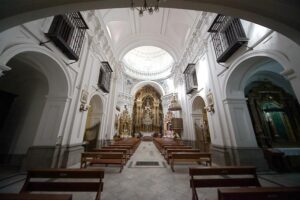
(168,29)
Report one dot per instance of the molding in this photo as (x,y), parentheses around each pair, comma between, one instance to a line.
(289,74)
(3,68)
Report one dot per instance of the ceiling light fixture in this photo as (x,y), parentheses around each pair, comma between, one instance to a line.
(150,6)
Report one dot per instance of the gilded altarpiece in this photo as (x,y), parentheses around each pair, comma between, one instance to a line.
(275,115)
(147,110)
(125,124)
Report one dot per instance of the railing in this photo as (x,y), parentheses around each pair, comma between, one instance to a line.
(67,32)
(227,35)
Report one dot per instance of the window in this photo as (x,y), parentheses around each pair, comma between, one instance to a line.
(227,35)
(67,32)
(105,77)
(190,77)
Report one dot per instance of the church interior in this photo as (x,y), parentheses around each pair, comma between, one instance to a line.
(149,99)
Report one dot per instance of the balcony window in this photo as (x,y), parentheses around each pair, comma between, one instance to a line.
(227,35)
(67,32)
(105,77)
(190,77)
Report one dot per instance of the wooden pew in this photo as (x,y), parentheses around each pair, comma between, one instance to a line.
(133,142)
(189,157)
(263,193)
(246,176)
(165,148)
(124,151)
(160,142)
(24,196)
(105,158)
(130,150)
(169,151)
(31,184)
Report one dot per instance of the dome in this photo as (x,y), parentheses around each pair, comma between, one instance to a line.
(148,62)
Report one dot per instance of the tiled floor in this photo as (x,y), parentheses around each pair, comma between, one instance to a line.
(159,182)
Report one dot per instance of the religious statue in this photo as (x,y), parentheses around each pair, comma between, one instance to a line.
(147,120)
(168,125)
(125,124)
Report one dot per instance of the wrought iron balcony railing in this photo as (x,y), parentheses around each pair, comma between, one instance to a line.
(227,35)
(67,32)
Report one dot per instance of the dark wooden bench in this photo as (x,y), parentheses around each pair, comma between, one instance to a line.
(105,158)
(25,196)
(130,150)
(165,149)
(124,151)
(230,176)
(33,182)
(263,193)
(169,151)
(160,143)
(189,157)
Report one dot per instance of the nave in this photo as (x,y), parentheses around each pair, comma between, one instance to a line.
(152,182)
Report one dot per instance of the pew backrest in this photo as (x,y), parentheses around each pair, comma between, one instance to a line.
(267,193)
(230,176)
(95,184)
(25,196)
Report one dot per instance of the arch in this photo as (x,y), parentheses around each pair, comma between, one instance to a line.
(49,104)
(154,84)
(200,124)
(268,14)
(93,123)
(243,66)
(57,76)
(252,68)
(198,102)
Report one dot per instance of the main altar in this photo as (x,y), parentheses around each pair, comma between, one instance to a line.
(147,110)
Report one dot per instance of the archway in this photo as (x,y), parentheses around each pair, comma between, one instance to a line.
(93,123)
(33,95)
(200,122)
(268,14)
(147,111)
(257,77)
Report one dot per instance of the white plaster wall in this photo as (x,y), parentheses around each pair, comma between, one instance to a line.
(83,74)
(231,121)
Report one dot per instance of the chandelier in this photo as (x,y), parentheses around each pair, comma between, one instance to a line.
(150,6)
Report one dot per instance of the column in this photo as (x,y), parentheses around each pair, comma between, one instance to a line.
(241,132)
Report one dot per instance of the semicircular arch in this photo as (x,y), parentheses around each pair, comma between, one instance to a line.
(47,63)
(243,67)
(141,84)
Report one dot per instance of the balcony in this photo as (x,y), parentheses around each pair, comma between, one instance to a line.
(227,35)
(67,32)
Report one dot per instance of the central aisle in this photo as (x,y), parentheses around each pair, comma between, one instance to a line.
(146,183)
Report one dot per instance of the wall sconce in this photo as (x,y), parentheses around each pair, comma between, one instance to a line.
(83,107)
(210,108)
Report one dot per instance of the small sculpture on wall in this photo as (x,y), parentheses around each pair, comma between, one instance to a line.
(83,101)
(210,103)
